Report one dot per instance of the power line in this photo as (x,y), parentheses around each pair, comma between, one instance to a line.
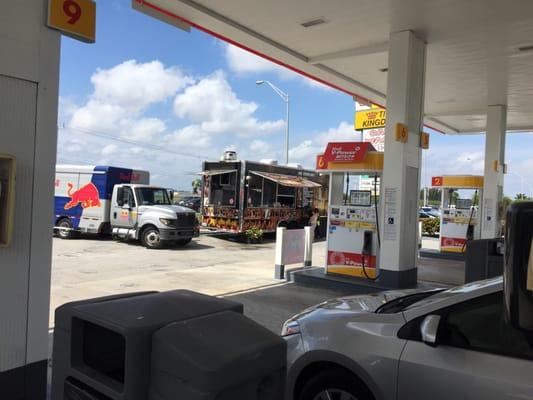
(105,135)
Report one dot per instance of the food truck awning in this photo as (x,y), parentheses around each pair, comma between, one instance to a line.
(217,172)
(288,180)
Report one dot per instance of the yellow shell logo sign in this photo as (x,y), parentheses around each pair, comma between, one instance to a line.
(321,162)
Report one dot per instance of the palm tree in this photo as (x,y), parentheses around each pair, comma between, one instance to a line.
(196,185)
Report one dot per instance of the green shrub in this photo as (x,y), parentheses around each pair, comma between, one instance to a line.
(431,226)
(254,233)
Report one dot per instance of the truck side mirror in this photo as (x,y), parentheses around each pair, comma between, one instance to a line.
(518,268)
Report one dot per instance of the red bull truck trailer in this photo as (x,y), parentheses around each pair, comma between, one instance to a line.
(238,195)
(104,199)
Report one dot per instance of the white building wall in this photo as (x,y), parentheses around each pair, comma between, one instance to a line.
(29,80)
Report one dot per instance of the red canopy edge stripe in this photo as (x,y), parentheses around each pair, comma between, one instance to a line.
(257,53)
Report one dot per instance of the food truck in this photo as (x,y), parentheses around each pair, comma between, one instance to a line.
(238,195)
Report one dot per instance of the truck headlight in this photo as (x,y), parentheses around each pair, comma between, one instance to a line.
(290,327)
(167,221)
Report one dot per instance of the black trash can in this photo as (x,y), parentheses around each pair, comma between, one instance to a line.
(103,347)
(223,356)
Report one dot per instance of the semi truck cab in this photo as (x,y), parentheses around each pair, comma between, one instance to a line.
(146,213)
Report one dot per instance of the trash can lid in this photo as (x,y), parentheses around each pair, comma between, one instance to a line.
(217,351)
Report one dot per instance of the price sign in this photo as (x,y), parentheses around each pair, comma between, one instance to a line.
(75,18)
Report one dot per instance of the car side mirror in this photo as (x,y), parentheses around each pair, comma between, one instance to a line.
(429,329)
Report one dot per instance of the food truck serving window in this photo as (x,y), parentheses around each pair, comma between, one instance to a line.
(222,187)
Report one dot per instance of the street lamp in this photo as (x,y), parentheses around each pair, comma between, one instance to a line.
(285,97)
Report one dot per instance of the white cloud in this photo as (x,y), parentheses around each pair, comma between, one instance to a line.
(259,147)
(191,136)
(244,62)
(124,91)
(109,149)
(215,108)
(135,86)
(144,129)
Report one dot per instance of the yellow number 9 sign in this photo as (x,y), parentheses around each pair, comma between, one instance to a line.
(75,18)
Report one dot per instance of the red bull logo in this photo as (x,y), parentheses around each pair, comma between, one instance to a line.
(87,196)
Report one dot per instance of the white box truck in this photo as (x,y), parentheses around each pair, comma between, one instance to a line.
(119,201)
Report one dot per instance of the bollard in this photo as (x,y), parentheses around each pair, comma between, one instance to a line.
(279,272)
(309,237)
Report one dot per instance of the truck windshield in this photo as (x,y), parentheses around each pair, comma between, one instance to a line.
(148,196)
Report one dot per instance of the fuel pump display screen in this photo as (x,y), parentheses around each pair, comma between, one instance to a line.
(464,204)
(361,198)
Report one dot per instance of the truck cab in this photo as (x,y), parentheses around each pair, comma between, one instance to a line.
(146,213)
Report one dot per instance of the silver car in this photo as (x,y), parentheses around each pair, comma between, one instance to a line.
(409,345)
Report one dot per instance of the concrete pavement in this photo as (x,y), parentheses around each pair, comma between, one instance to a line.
(91,267)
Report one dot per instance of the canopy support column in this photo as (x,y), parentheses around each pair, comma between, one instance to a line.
(494,171)
(401,173)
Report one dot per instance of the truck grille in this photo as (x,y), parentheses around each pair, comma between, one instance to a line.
(186,220)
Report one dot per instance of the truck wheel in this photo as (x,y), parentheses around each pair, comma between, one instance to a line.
(151,239)
(64,229)
(183,242)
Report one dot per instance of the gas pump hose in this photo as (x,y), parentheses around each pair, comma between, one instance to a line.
(377,231)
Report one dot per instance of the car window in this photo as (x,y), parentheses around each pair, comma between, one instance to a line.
(477,325)
(480,325)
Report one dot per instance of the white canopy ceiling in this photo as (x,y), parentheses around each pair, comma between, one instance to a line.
(479,52)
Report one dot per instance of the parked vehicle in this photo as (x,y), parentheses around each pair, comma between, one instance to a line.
(104,199)
(425,215)
(192,202)
(239,195)
(410,345)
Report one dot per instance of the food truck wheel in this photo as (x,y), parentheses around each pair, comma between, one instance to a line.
(151,239)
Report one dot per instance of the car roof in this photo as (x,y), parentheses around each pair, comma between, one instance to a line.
(453,296)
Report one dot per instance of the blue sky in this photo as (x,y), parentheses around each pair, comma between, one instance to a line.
(151,96)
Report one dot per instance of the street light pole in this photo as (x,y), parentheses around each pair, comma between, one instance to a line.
(285,97)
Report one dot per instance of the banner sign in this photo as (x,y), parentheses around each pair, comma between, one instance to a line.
(347,151)
(370,119)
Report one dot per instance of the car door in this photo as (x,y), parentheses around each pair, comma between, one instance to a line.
(477,356)
(124,209)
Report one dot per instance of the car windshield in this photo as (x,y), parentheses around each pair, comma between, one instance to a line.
(401,303)
(148,196)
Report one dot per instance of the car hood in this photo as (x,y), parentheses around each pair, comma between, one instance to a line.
(361,303)
(168,210)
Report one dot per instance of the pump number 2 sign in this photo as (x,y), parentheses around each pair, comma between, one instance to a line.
(436,181)
(75,18)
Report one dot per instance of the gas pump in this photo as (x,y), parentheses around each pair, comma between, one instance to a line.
(353,229)
(460,214)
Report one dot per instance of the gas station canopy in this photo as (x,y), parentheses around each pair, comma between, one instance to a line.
(479,52)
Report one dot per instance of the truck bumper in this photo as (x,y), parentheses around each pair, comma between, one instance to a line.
(177,234)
